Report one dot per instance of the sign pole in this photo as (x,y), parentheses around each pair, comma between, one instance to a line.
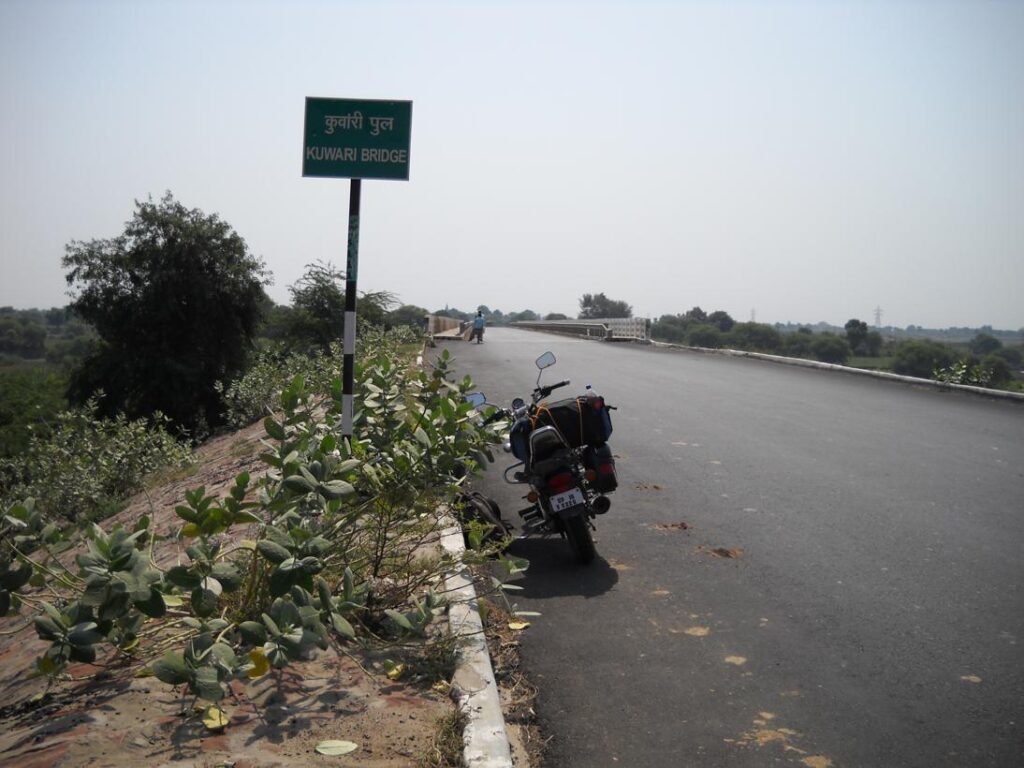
(351,274)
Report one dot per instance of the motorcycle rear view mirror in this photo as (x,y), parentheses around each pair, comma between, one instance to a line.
(476,399)
(546,360)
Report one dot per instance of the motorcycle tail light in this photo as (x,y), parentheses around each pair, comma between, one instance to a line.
(606,469)
(561,482)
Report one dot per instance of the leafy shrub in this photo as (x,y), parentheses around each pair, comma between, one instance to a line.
(755,337)
(830,349)
(30,396)
(253,394)
(920,357)
(704,336)
(337,534)
(84,465)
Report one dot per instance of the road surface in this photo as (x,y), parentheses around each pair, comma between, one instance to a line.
(799,568)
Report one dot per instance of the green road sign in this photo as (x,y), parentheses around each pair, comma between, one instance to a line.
(357,138)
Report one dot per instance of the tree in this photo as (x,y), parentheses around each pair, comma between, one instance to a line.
(920,357)
(176,301)
(704,335)
(597,305)
(318,306)
(985,344)
(555,316)
(856,333)
(756,337)
(722,320)
(830,349)
(408,314)
(697,315)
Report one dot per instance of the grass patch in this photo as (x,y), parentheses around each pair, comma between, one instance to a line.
(446,748)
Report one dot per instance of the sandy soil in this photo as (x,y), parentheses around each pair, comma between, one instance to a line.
(110,717)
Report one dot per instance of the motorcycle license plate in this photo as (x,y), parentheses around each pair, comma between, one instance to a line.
(563,501)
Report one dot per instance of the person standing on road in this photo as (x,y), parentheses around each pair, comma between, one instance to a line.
(478,327)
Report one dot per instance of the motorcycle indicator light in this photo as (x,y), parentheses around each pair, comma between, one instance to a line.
(532,497)
(591,475)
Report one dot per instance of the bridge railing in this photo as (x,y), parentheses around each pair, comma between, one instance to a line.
(607,328)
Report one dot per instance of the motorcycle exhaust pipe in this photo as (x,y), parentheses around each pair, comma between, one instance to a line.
(600,505)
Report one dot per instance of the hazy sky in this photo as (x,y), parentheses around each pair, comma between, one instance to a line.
(807,160)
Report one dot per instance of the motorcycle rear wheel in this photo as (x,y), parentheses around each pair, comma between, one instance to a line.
(577,531)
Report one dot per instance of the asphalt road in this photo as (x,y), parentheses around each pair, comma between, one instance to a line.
(799,567)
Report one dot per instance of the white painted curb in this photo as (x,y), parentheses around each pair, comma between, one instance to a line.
(997,394)
(485,742)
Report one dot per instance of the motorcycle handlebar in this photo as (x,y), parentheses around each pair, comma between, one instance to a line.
(498,414)
(545,391)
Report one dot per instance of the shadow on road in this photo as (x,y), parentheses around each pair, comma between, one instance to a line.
(554,572)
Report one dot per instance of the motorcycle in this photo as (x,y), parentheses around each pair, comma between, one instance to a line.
(564,458)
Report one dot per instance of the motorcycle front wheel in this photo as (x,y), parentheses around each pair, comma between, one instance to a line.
(577,531)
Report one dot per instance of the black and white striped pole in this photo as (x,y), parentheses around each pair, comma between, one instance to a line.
(348,376)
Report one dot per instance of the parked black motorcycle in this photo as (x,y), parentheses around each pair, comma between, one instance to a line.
(564,457)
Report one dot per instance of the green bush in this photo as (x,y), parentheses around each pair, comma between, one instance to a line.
(30,396)
(920,357)
(830,349)
(755,337)
(342,543)
(704,336)
(83,466)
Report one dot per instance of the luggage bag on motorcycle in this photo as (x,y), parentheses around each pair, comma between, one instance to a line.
(581,421)
(600,460)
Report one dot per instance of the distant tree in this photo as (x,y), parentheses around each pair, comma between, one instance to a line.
(755,337)
(373,307)
(318,307)
(721,320)
(704,335)
(697,315)
(920,357)
(485,309)
(526,315)
(597,305)
(798,343)
(830,349)
(555,316)
(176,301)
(856,332)
(670,328)
(1011,355)
(872,344)
(408,314)
(984,344)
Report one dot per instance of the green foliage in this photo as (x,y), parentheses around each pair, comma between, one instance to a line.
(985,344)
(704,336)
(830,349)
(30,397)
(21,337)
(920,357)
(83,465)
(722,320)
(176,300)
(992,371)
(408,314)
(317,318)
(342,539)
(597,305)
(250,396)
(755,337)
